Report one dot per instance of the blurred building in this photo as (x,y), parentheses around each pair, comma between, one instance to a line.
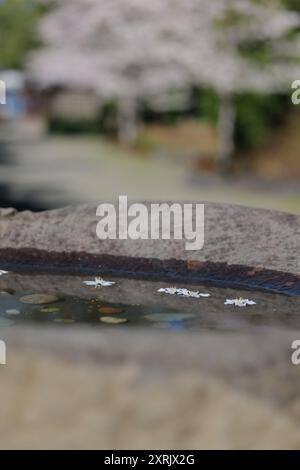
(16,101)
(73,104)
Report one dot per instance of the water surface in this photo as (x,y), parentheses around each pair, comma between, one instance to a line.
(68,302)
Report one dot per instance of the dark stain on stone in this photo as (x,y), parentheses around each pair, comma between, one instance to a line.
(218,274)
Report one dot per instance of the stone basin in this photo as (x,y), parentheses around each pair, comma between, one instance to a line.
(230,384)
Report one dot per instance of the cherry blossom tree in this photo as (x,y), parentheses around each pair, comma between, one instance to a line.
(131,49)
(118,49)
(248,49)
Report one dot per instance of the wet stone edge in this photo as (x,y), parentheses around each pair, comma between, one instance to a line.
(218,274)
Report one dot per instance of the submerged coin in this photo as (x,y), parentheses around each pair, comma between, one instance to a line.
(39,299)
(113,320)
(110,310)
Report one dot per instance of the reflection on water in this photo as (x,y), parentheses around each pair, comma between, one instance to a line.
(36,299)
(27,307)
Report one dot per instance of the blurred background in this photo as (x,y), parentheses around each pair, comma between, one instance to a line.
(172,100)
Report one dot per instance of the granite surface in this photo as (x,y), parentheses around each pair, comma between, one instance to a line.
(242,245)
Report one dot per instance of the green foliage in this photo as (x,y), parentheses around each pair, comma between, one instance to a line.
(258,52)
(257,115)
(60,125)
(17,32)
(292,4)
(207,105)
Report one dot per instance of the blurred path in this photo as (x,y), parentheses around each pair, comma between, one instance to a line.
(54,171)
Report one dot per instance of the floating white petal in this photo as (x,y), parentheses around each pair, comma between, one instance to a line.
(168,290)
(182,292)
(240,302)
(99,282)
